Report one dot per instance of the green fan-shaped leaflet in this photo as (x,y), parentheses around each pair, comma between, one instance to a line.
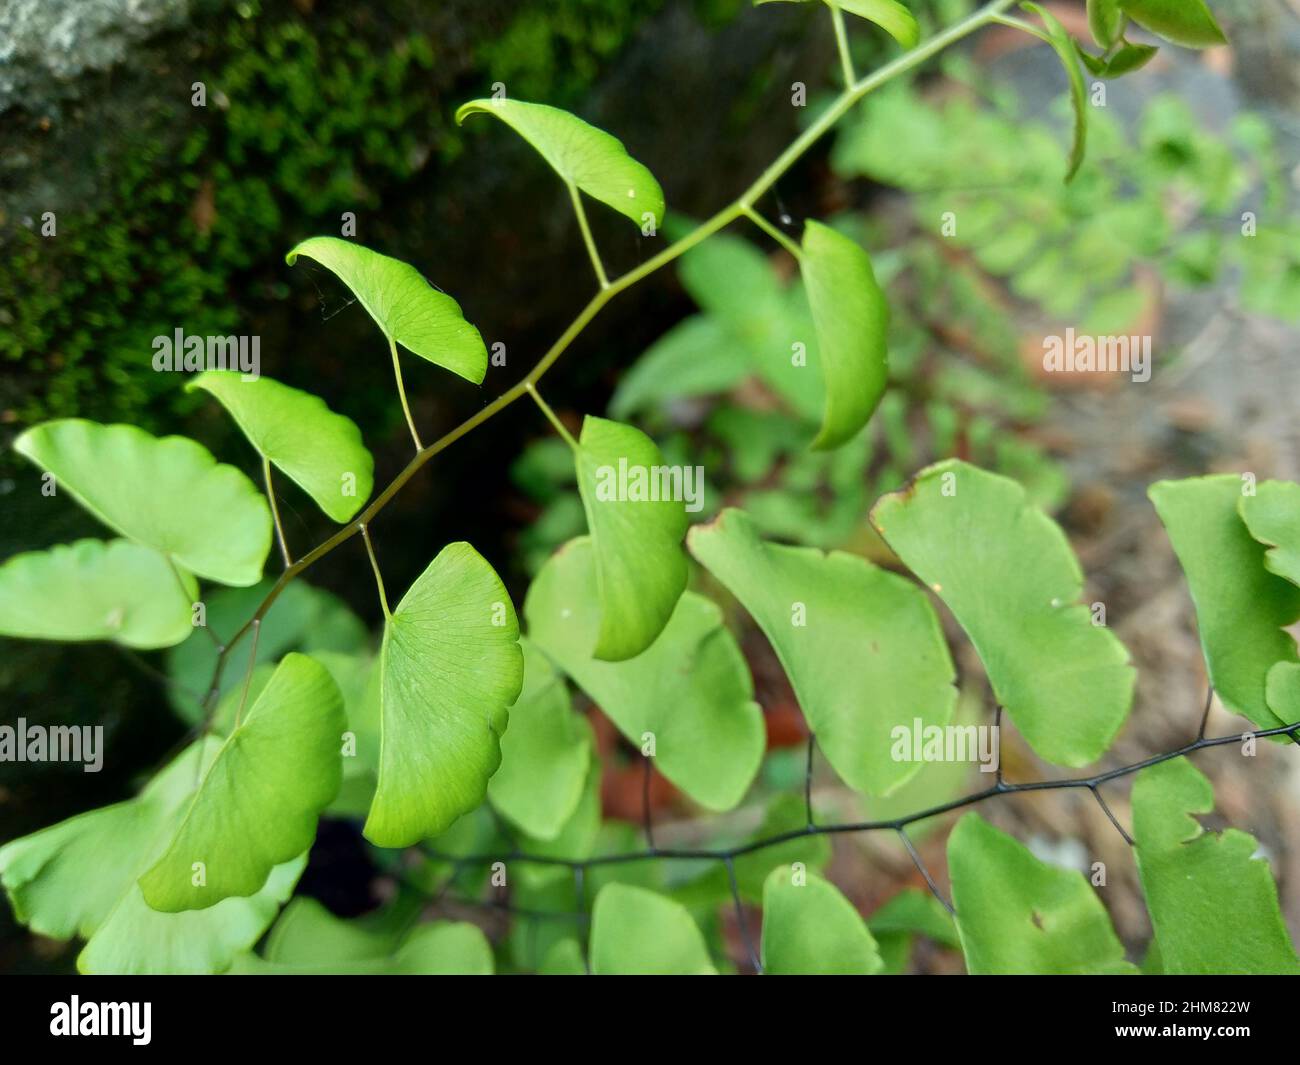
(576,839)
(92,590)
(449,668)
(1127,59)
(890,15)
(691,689)
(810,929)
(851,316)
(1241,608)
(1272,515)
(1282,691)
(1007,572)
(308,934)
(636,534)
(139,940)
(1019,915)
(639,932)
(563,959)
(258,802)
(168,493)
(545,753)
(409,310)
(78,878)
(939,782)
(1213,903)
(320,451)
(861,646)
(1185,22)
(1105,21)
(582,155)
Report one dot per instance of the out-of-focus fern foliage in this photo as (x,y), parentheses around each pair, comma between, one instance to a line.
(1169,193)
(988,232)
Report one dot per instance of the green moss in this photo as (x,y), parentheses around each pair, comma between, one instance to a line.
(560,49)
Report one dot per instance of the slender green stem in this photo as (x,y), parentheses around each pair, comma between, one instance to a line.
(771,230)
(374,565)
(401,394)
(724,217)
(587,238)
(186,592)
(1022,25)
(551,416)
(842,43)
(248,673)
(275,513)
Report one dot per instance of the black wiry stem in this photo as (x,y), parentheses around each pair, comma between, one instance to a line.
(1205,714)
(893,824)
(920,867)
(647,822)
(807,783)
(897,825)
(741,921)
(1101,801)
(997,731)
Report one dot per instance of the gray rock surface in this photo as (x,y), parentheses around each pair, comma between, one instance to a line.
(46,44)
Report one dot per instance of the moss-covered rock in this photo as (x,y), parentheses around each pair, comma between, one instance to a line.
(158,208)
